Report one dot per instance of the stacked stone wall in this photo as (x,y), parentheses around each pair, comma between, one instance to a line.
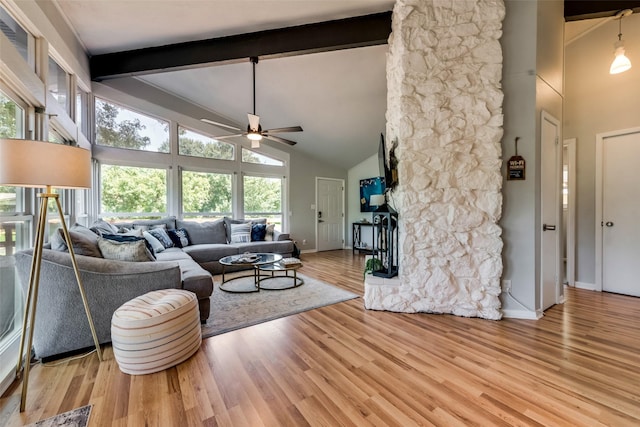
(444,109)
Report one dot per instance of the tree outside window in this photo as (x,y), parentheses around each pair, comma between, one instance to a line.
(206,195)
(128,192)
(263,198)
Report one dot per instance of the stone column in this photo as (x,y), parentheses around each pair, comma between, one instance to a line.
(444,110)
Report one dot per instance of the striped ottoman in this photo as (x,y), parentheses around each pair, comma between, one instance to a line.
(156,331)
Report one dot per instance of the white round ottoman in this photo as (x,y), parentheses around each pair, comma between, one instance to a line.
(156,331)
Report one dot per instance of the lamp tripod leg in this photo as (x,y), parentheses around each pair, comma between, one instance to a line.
(32,302)
(80,285)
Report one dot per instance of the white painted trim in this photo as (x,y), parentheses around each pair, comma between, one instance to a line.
(587,286)
(570,144)
(522,314)
(600,137)
(8,360)
(309,251)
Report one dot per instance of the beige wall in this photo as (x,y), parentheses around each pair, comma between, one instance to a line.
(597,102)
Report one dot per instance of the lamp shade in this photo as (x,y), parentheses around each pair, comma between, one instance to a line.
(376,200)
(621,63)
(27,163)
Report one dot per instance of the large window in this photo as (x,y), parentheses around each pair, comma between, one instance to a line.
(58,84)
(263,198)
(16,35)
(195,144)
(249,156)
(120,127)
(206,195)
(132,192)
(14,235)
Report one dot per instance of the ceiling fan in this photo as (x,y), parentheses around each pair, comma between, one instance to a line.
(254,131)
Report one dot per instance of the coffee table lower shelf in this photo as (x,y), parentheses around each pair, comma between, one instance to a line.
(275,268)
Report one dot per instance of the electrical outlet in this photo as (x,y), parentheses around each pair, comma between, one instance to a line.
(304,241)
(506,285)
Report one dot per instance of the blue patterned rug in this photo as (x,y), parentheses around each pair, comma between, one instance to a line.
(74,418)
(230,311)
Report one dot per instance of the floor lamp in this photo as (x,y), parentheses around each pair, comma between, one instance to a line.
(26,163)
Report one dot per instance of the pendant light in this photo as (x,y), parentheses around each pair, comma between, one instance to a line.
(620,63)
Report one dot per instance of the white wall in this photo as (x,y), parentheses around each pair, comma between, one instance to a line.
(366,169)
(597,102)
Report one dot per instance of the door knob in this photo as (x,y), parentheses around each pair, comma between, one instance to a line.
(609,224)
(546,227)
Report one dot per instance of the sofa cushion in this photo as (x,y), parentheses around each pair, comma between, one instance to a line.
(268,232)
(282,247)
(101,227)
(210,252)
(204,232)
(169,222)
(85,241)
(135,250)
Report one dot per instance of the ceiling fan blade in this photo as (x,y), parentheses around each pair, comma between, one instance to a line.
(229,136)
(283,130)
(278,139)
(254,121)
(211,122)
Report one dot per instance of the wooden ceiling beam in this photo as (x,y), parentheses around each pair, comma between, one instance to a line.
(368,30)
(576,10)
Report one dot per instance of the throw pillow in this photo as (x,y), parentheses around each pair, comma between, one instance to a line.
(101,227)
(268,236)
(127,238)
(258,232)
(155,243)
(135,251)
(240,233)
(179,237)
(147,227)
(161,234)
(84,241)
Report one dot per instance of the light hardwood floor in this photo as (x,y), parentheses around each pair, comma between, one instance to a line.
(344,365)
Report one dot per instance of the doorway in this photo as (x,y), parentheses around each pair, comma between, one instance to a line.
(617,211)
(550,289)
(329,214)
(569,210)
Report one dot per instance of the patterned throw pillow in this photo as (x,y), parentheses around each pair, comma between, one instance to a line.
(155,243)
(179,237)
(258,232)
(240,233)
(128,238)
(162,235)
(268,236)
(125,251)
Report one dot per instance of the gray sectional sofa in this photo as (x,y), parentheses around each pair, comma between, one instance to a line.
(61,325)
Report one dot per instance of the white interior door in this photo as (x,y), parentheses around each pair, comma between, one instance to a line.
(330,214)
(620,212)
(550,217)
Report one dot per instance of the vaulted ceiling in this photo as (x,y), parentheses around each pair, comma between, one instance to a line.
(328,78)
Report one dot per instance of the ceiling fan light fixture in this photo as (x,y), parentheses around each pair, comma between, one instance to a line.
(254,136)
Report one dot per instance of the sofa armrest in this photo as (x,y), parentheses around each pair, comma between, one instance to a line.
(278,236)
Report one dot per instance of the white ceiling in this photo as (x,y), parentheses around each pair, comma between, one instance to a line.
(339,97)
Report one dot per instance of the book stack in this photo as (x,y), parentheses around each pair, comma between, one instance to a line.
(290,262)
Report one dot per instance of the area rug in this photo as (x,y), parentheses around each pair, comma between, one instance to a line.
(230,311)
(74,418)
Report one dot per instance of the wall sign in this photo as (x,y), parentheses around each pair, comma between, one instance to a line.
(516,166)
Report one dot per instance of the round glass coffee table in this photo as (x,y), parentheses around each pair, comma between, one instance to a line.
(246,260)
(279,282)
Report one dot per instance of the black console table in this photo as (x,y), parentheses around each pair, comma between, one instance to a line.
(356,237)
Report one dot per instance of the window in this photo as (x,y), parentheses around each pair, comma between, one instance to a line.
(58,84)
(263,198)
(128,192)
(206,195)
(119,127)
(16,35)
(15,234)
(81,110)
(249,156)
(194,144)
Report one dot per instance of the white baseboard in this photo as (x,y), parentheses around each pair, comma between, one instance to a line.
(588,286)
(308,251)
(521,314)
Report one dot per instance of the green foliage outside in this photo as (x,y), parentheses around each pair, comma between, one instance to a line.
(133,190)
(118,133)
(206,192)
(262,194)
(8,129)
